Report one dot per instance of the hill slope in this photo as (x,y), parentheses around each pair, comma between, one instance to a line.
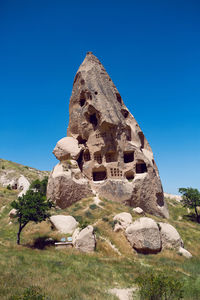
(73,275)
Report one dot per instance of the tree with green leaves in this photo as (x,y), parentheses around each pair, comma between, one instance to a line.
(191,199)
(33,206)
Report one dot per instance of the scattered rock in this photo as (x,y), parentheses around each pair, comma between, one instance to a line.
(118,227)
(138,211)
(64,224)
(12,213)
(144,236)
(67,148)
(111,151)
(23,184)
(85,241)
(169,236)
(124,219)
(184,252)
(173,197)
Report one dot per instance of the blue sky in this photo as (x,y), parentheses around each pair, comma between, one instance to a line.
(149,48)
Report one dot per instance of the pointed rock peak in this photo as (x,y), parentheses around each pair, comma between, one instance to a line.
(115,157)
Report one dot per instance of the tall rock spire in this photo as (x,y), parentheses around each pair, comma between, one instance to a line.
(114,156)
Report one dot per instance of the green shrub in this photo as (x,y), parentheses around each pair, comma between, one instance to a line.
(88,214)
(3,167)
(31,293)
(8,187)
(93,206)
(112,223)
(156,285)
(105,219)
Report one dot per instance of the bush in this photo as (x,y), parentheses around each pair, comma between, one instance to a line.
(156,285)
(8,187)
(31,293)
(93,206)
(3,167)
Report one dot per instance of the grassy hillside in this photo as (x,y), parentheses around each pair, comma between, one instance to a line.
(68,274)
(13,170)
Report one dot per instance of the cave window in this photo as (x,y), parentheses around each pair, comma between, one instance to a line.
(141,168)
(98,157)
(119,99)
(128,157)
(141,136)
(115,172)
(129,175)
(125,113)
(93,119)
(86,155)
(99,175)
(111,157)
(81,140)
(82,102)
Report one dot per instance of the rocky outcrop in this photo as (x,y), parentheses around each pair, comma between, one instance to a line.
(144,236)
(115,157)
(64,224)
(85,240)
(169,236)
(23,184)
(67,148)
(67,185)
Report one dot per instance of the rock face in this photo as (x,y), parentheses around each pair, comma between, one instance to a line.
(144,236)
(64,224)
(85,239)
(115,157)
(170,236)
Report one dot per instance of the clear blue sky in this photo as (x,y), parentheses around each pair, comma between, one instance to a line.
(151,50)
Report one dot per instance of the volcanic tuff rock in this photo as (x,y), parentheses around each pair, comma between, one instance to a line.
(115,157)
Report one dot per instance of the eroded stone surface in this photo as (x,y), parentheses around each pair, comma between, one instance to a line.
(85,239)
(116,158)
(64,224)
(144,236)
(124,219)
(169,236)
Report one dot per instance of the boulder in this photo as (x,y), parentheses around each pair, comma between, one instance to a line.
(184,252)
(144,236)
(169,236)
(138,211)
(124,219)
(23,184)
(67,148)
(12,213)
(66,186)
(85,241)
(64,224)
(118,227)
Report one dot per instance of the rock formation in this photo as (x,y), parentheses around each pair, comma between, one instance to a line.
(112,157)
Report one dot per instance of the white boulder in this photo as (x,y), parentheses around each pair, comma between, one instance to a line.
(169,236)
(124,219)
(184,252)
(64,224)
(138,211)
(144,236)
(23,184)
(67,148)
(85,240)
(12,213)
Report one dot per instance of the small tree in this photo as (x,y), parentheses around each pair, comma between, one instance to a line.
(31,207)
(191,199)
